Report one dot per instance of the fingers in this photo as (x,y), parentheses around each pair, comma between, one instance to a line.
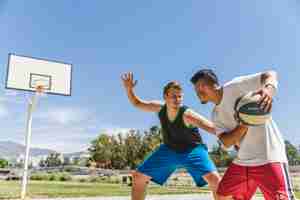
(262,98)
(131,77)
(268,107)
(128,80)
(127,76)
(265,102)
(123,77)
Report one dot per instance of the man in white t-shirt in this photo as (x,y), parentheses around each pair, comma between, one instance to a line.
(261,160)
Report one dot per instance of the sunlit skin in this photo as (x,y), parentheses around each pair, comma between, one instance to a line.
(208,93)
(173,99)
(213,93)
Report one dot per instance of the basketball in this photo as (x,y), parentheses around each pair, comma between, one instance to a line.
(249,112)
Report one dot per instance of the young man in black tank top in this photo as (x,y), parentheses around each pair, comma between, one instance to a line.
(182,144)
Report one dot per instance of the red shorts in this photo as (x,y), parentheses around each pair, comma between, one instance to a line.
(272,179)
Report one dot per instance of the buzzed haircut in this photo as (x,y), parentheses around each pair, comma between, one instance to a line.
(205,74)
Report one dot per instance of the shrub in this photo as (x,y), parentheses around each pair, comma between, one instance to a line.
(95,179)
(40,176)
(82,180)
(64,176)
(53,177)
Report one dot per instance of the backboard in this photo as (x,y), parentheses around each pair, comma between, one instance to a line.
(26,73)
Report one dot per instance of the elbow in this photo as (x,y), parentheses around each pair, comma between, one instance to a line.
(225,142)
(227,145)
(136,104)
(270,73)
(270,77)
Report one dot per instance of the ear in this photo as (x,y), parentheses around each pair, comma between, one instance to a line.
(165,95)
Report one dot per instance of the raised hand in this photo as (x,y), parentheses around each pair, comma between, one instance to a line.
(128,80)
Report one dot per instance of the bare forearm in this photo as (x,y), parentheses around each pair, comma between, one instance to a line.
(197,120)
(233,137)
(134,100)
(208,126)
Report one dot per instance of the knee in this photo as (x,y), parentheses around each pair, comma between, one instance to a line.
(213,180)
(138,177)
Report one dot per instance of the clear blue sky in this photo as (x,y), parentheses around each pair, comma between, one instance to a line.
(157,40)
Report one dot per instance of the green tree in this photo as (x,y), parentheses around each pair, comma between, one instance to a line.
(220,156)
(42,163)
(292,153)
(133,145)
(118,158)
(124,150)
(101,149)
(3,163)
(153,138)
(53,160)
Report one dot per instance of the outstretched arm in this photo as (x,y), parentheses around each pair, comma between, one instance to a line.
(234,136)
(129,83)
(191,117)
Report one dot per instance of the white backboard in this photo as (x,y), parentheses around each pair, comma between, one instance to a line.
(25,73)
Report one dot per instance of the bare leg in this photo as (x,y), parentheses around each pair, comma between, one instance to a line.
(213,180)
(139,185)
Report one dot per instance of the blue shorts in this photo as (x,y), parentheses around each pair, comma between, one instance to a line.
(164,161)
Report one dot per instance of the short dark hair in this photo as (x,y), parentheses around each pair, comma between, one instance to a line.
(172,84)
(205,74)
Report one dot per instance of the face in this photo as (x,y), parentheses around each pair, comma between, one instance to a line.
(203,91)
(174,98)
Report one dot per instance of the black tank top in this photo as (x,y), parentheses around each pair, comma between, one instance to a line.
(176,135)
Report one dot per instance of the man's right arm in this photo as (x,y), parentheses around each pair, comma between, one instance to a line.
(149,106)
(234,136)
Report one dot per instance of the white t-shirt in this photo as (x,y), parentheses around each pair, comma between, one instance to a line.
(262,144)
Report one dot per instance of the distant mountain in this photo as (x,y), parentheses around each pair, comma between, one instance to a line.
(75,154)
(10,150)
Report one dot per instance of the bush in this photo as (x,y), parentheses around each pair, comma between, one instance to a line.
(82,180)
(53,177)
(64,176)
(95,180)
(40,176)
(58,176)
(114,179)
(69,169)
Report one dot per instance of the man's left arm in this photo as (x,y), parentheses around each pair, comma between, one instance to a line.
(192,118)
(263,83)
(269,84)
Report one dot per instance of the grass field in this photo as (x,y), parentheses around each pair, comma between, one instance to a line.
(11,189)
(39,189)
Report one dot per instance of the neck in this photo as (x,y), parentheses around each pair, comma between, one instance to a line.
(217,96)
(172,112)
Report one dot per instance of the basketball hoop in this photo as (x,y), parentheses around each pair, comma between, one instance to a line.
(40,90)
(42,77)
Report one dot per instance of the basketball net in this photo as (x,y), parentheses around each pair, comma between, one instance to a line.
(40,90)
